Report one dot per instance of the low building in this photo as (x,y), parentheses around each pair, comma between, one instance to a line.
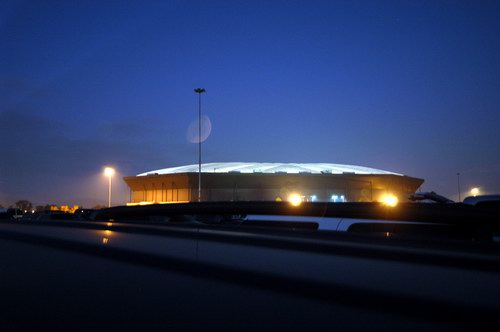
(240,181)
(64,208)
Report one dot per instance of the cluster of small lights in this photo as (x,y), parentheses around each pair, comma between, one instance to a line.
(296,199)
(338,198)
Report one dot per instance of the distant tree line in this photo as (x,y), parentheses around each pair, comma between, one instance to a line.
(24,205)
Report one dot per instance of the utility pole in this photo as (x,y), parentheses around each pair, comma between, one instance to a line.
(109,172)
(199,91)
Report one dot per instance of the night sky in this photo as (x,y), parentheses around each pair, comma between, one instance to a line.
(405,86)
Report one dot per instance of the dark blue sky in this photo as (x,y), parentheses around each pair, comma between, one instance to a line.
(406,86)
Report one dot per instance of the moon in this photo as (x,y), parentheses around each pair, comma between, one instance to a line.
(192,133)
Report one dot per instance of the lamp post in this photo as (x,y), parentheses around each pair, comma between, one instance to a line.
(199,91)
(458,184)
(109,172)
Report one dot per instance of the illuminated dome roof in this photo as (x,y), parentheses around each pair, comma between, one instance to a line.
(291,168)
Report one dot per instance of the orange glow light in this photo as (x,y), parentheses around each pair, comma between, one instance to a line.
(295,199)
(390,200)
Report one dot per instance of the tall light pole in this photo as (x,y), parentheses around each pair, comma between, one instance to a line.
(199,91)
(109,172)
(458,184)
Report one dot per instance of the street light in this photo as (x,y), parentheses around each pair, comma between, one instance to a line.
(109,172)
(458,185)
(199,91)
(474,192)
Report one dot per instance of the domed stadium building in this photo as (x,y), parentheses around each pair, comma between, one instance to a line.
(238,181)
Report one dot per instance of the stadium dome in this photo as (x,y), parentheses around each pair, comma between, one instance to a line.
(247,181)
(271,168)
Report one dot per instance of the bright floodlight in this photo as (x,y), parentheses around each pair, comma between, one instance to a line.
(474,191)
(108,171)
(295,199)
(390,200)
